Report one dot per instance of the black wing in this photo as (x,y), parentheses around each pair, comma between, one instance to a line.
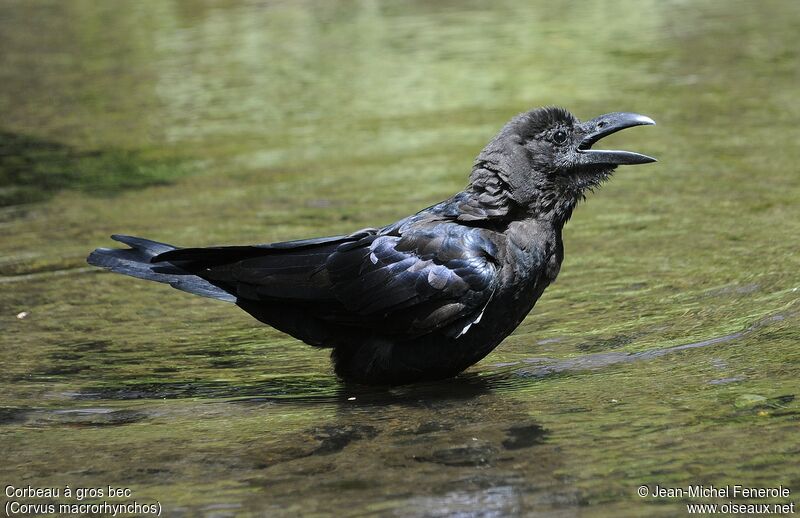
(435,276)
(411,279)
(263,272)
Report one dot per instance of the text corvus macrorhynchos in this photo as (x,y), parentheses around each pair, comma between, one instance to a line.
(425,297)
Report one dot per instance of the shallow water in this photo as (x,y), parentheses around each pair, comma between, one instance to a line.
(667,352)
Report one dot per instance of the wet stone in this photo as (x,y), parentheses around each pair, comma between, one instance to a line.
(524,436)
(12,415)
(472,455)
(92,417)
(335,438)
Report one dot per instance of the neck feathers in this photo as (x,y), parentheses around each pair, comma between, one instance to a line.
(489,196)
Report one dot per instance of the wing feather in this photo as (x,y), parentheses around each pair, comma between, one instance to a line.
(416,281)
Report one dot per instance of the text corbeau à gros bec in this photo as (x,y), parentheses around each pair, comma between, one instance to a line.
(77,506)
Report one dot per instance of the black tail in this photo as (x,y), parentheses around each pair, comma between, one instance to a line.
(135,261)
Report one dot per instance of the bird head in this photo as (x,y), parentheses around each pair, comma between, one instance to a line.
(545,159)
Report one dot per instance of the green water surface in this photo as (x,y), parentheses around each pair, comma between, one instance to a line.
(234,122)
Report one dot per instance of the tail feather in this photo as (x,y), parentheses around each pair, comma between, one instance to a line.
(135,262)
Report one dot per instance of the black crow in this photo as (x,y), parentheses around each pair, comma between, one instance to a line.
(425,297)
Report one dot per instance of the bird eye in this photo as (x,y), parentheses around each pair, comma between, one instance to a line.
(559,137)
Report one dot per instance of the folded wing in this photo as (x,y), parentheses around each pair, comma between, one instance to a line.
(407,281)
(434,277)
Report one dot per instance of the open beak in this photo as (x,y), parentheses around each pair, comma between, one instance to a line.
(605,125)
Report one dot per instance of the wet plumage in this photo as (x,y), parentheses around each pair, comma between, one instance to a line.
(431,294)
